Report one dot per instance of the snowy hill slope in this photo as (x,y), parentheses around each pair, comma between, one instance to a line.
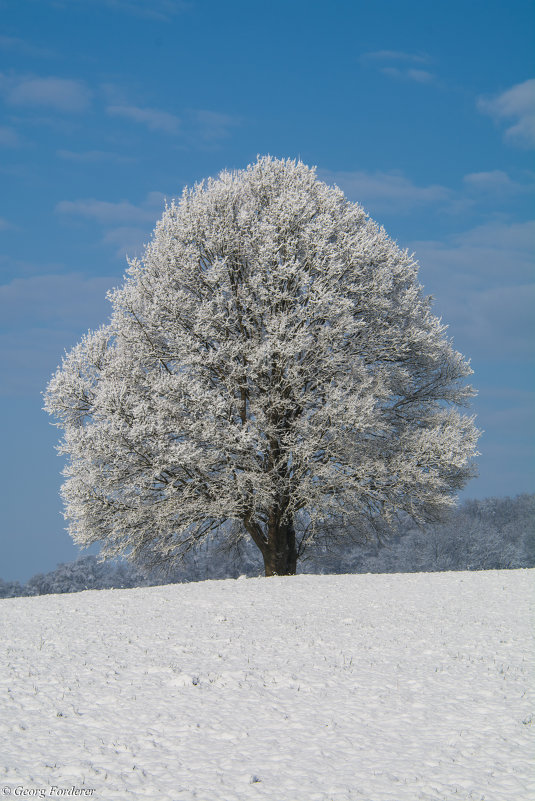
(309,688)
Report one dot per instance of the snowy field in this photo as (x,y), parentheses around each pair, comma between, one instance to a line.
(310,688)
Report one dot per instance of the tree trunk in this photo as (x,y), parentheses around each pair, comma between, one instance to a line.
(280,553)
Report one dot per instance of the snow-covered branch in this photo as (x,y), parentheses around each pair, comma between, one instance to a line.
(272,358)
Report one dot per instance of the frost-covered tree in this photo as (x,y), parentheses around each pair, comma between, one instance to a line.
(271,369)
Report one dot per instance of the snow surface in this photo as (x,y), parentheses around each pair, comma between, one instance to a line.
(307,688)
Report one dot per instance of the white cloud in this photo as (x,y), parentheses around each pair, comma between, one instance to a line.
(194,126)
(103,211)
(128,226)
(28,357)
(492,181)
(401,69)
(517,104)
(60,94)
(501,237)
(154,119)
(504,318)
(385,191)
(492,190)
(71,299)
(487,256)
(109,213)
(418,76)
(510,410)
(483,283)
(42,316)
(127,240)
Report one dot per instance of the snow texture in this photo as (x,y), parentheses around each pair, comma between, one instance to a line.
(309,688)
(273,364)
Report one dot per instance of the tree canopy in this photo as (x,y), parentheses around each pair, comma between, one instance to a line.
(271,369)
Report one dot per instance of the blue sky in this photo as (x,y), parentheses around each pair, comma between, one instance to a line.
(424,112)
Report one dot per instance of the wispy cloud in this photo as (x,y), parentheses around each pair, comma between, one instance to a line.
(397,64)
(499,238)
(59,94)
(418,76)
(109,213)
(497,182)
(66,298)
(213,125)
(9,137)
(92,156)
(394,192)
(157,9)
(492,190)
(43,315)
(386,191)
(483,279)
(127,240)
(14,44)
(193,125)
(126,226)
(395,55)
(154,119)
(153,9)
(517,104)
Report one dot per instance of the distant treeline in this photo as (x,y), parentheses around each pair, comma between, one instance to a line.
(492,534)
